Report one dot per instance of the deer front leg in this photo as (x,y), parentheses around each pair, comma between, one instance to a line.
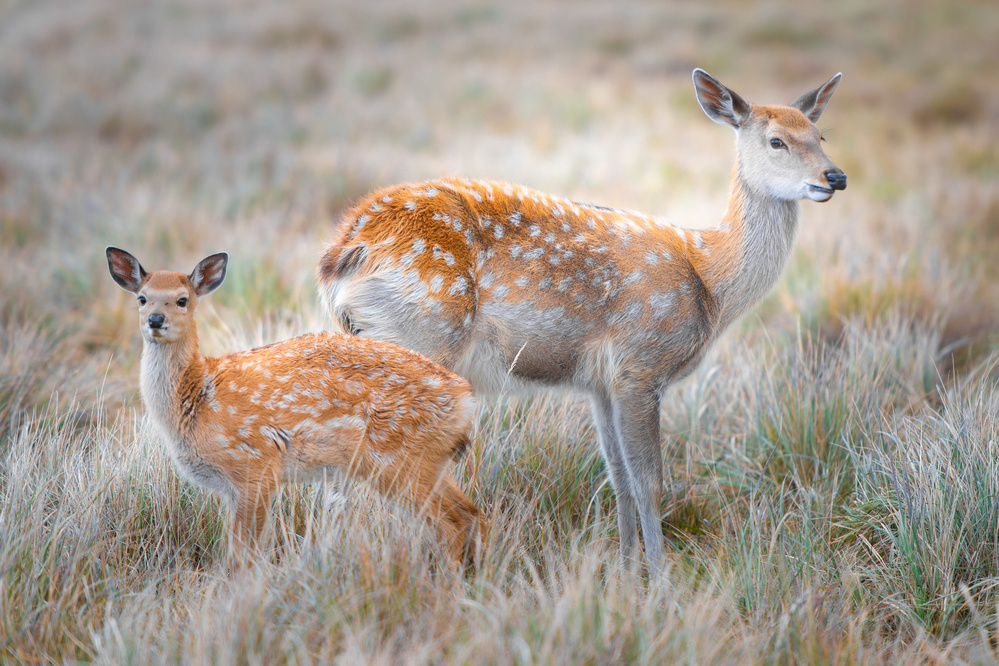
(610,446)
(636,422)
(249,516)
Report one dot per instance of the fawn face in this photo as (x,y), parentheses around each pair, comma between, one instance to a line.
(166,307)
(166,300)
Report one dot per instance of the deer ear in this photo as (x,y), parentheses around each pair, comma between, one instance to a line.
(125,269)
(209,273)
(720,104)
(813,103)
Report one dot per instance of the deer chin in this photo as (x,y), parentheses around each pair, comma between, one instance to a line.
(818,193)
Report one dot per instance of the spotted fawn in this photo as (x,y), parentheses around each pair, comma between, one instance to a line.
(243,423)
(513,288)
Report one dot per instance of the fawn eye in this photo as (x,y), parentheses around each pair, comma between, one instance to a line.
(142,300)
(777,144)
(182,302)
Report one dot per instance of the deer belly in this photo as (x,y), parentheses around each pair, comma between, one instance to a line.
(506,359)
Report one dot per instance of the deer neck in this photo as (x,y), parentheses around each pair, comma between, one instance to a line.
(171,379)
(745,254)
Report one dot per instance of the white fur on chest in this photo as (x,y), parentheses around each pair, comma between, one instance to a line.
(158,385)
(191,465)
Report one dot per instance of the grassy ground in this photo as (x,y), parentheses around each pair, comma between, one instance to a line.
(834,486)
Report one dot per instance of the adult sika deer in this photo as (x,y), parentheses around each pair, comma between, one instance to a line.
(242,423)
(500,282)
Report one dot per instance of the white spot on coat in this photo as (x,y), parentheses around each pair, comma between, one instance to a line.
(661,303)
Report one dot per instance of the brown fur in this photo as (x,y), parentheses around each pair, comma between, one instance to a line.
(511,287)
(243,423)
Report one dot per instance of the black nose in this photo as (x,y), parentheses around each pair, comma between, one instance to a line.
(156,320)
(836,178)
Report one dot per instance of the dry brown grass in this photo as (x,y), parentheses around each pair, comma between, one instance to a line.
(835,476)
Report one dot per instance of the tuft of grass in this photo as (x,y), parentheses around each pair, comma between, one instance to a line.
(935,525)
(30,369)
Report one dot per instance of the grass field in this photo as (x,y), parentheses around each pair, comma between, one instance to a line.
(833,486)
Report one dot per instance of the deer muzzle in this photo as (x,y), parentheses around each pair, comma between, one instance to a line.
(836,179)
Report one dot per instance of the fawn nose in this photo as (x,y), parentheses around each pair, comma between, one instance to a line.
(836,178)
(156,320)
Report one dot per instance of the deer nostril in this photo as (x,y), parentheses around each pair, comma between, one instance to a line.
(156,321)
(836,178)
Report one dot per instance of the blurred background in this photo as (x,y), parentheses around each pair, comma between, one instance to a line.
(179,128)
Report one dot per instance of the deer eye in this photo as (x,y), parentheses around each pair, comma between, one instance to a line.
(182,302)
(142,300)
(777,144)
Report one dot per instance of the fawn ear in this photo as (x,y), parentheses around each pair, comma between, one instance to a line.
(125,269)
(209,273)
(813,103)
(720,104)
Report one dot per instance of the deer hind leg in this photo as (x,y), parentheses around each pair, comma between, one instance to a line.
(431,491)
(636,422)
(610,446)
(457,520)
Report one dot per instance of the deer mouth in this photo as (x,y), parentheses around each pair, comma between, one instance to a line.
(819,193)
(157,332)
